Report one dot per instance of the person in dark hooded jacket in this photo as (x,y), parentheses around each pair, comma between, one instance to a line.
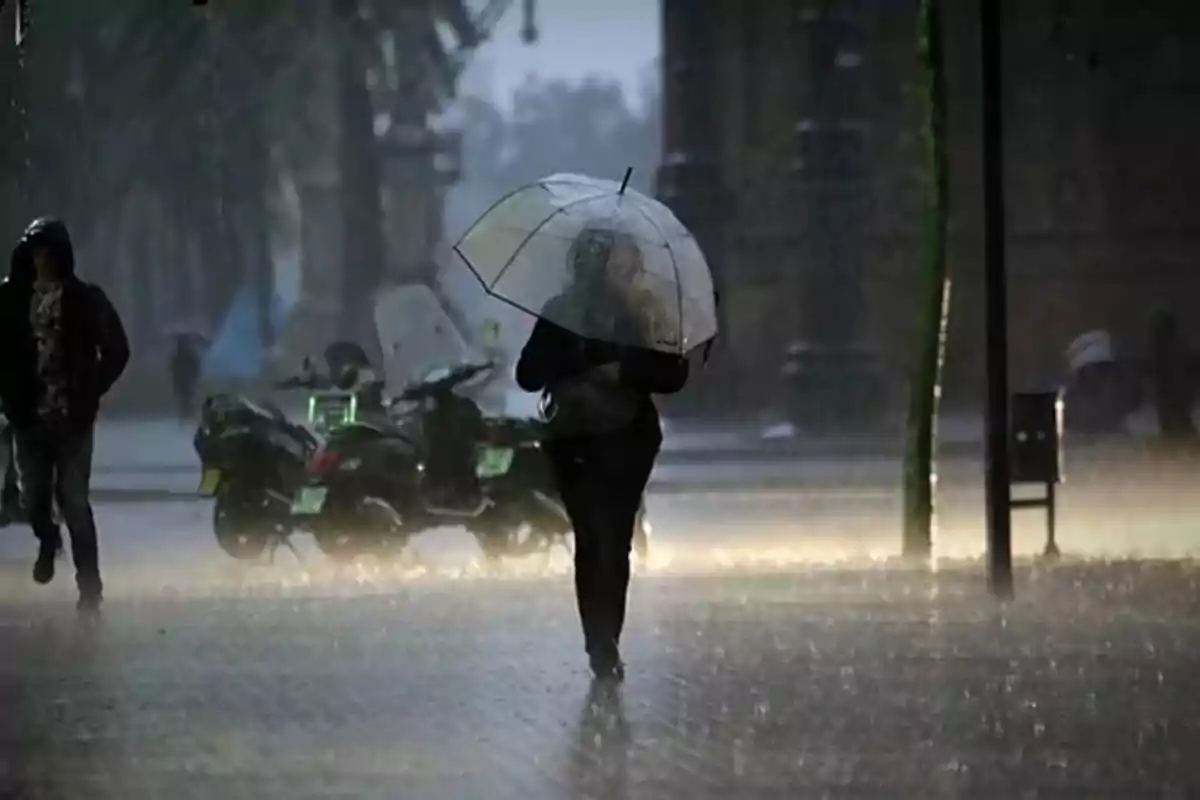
(63,348)
(602,450)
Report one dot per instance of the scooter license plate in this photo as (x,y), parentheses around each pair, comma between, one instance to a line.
(310,500)
(494,462)
(210,481)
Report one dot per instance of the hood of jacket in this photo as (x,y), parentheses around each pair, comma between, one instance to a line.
(42,232)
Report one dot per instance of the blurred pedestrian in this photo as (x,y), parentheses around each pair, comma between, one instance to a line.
(604,429)
(64,348)
(1173,376)
(185,372)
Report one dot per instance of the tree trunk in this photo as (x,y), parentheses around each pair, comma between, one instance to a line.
(257,223)
(141,270)
(926,382)
(358,151)
(218,234)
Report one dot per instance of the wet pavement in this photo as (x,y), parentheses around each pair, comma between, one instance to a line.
(749,676)
(805,684)
(774,652)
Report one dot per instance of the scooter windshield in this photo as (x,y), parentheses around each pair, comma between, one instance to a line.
(416,336)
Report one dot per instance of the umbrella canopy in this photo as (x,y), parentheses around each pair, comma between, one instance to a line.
(598,259)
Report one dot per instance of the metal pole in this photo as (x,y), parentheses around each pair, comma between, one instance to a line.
(999,485)
(1052,551)
(22,23)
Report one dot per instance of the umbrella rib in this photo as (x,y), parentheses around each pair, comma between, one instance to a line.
(492,208)
(537,229)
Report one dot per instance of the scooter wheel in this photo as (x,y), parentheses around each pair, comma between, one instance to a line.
(343,547)
(371,530)
(239,537)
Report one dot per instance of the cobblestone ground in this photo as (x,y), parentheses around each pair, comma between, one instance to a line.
(213,681)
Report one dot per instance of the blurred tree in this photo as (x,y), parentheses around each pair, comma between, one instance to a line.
(363,249)
(161,131)
(920,474)
(560,126)
(485,140)
(145,102)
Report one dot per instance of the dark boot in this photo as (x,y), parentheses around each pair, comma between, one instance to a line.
(605,661)
(87,565)
(48,551)
(89,603)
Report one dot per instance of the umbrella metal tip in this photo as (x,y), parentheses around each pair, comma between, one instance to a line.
(625,180)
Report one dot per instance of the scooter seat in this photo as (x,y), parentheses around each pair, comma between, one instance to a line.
(383,427)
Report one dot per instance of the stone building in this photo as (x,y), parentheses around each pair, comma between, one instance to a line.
(778,117)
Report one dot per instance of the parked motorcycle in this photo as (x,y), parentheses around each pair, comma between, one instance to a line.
(253,458)
(376,483)
(527,516)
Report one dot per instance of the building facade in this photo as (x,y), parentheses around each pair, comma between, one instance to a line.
(792,147)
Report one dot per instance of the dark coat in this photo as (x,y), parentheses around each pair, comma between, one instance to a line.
(96,350)
(555,354)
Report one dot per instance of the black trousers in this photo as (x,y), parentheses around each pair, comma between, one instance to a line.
(58,465)
(602,480)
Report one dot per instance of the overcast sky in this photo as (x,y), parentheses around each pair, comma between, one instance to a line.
(615,38)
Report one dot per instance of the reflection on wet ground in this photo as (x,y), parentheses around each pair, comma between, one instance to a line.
(793,682)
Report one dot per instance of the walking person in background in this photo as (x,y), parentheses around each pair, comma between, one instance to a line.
(604,429)
(185,373)
(64,347)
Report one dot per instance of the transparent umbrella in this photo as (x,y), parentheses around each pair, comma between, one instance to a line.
(597,258)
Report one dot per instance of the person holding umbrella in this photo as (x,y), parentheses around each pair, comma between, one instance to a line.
(606,433)
(622,293)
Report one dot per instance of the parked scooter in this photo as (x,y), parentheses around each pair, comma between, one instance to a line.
(253,458)
(378,481)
